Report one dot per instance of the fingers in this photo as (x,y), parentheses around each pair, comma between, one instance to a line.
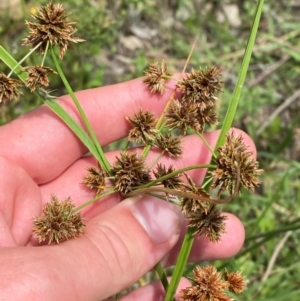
(20,201)
(117,248)
(44,146)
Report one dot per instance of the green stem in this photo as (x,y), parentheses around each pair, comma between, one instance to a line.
(175,173)
(180,264)
(101,156)
(45,54)
(162,276)
(156,160)
(242,76)
(206,143)
(23,59)
(93,200)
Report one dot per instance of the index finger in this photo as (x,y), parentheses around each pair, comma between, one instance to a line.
(44,146)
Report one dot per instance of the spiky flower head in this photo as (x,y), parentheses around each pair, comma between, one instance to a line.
(209,223)
(37,76)
(9,88)
(143,130)
(52,26)
(182,116)
(200,87)
(235,166)
(170,145)
(157,77)
(130,171)
(236,282)
(95,179)
(207,286)
(173,182)
(58,222)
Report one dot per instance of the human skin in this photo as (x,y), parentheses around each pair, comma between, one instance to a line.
(40,156)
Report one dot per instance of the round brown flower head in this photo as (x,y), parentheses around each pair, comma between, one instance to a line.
(235,165)
(95,179)
(156,77)
(170,145)
(9,88)
(143,130)
(182,116)
(52,26)
(58,222)
(130,171)
(200,86)
(207,286)
(37,76)
(173,182)
(209,223)
(236,282)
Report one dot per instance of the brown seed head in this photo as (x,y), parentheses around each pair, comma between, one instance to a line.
(58,222)
(234,161)
(52,26)
(143,130)
(156,77)
(170,145)
(210,223)
(182,116)
(37,76)
(208,286)
(9,88)
(200,87)
(95,179)
(130,171)
(173,182)
(236,282)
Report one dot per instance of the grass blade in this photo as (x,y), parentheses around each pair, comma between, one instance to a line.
(242,76)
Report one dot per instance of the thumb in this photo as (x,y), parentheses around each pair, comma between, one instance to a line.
(117,248)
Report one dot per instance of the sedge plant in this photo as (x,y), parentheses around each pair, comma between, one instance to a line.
(190,109)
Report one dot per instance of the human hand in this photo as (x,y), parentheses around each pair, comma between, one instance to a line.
(40,156)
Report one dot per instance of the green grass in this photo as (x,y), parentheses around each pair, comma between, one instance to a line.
(272,78)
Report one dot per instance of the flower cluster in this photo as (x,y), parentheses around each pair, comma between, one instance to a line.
(156,77)
(130,171)
(198,90)
(208,285)
(52,28)
(9,88)
(95,179)
(58,222)
(235,166)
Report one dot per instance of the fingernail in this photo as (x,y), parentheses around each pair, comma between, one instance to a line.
(160,219)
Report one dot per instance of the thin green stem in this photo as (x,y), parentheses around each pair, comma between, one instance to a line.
(180,264)
(156,160)
(23,59)
(162,276)
(45,54)
(206,143)
(175,173)
(93,200)
(100,156)
(242,76)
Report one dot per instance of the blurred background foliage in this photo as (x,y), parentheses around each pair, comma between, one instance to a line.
(123,36)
